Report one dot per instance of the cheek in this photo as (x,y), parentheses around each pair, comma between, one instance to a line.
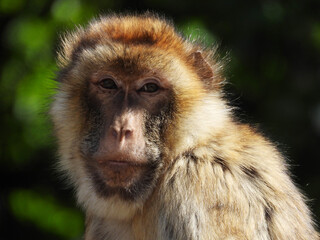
(91,140)
(94,124)
(155,106)
(156,126)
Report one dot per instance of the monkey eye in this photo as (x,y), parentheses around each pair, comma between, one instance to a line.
(108,83)
(149,88)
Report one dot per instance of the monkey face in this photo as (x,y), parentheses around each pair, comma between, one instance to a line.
(123,108)
(124,120)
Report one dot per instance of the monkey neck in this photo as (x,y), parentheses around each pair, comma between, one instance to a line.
(207,119)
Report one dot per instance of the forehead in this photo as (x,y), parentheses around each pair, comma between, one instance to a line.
(128,61)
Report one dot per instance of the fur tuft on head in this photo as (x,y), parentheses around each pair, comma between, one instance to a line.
(147,30)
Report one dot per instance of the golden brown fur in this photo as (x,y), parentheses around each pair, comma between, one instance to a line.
(218,179)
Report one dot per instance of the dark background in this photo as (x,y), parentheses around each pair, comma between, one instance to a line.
(273,74)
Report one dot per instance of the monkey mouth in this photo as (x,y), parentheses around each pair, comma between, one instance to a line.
(124,177)
(120,164)
(120,174)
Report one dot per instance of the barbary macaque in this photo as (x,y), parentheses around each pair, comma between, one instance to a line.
(152,148)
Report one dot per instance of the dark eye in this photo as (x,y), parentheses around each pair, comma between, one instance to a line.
(149,88)
(108,83)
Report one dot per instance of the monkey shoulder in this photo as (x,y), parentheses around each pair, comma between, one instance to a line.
(229,182)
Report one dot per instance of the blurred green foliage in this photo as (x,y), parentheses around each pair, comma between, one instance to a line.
(196,30)
(273,48)
(46,213)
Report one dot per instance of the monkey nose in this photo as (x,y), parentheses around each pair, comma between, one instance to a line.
(121,134)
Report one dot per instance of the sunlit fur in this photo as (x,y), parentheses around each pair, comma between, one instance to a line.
(220,179)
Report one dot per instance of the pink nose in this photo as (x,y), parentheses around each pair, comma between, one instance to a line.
(124,135)
(121,133)
(121,130)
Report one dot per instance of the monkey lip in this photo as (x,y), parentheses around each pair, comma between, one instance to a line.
(120,160)
(129,162)
(120,166)
(115,163)
(119,163)
(120,173)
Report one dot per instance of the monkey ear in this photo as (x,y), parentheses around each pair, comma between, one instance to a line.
(209,73)
(202,67)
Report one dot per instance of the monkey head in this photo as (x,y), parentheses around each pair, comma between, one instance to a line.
(130,91)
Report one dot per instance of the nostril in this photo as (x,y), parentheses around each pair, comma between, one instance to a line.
(114,133)
(127,133)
